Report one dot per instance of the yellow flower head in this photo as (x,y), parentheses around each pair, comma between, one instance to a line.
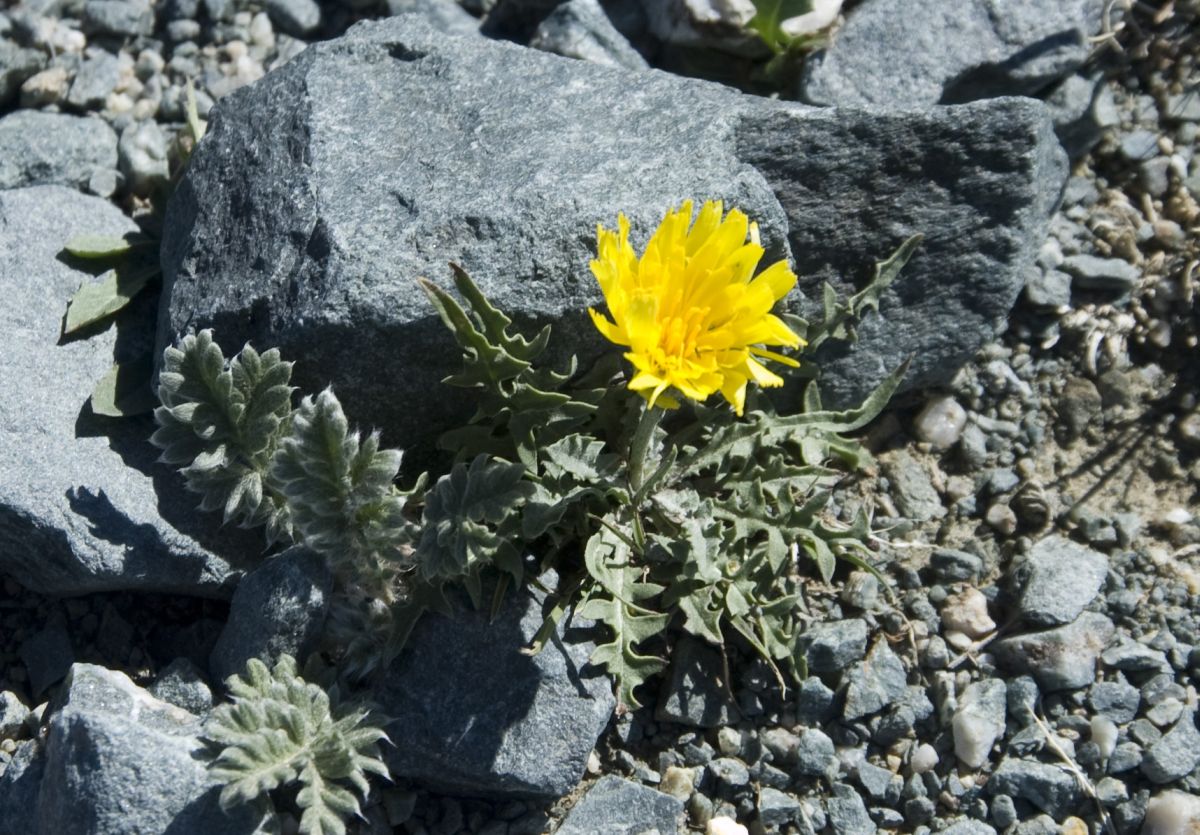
(691,310)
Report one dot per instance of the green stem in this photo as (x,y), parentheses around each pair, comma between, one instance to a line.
(639,447)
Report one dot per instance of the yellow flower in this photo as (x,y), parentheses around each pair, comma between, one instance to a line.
(691,310)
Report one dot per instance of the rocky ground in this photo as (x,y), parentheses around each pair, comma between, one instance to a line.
(1030,667)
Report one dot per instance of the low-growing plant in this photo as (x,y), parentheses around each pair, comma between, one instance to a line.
(654,507)
(281,730)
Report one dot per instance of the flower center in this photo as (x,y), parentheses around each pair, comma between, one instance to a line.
(680,335)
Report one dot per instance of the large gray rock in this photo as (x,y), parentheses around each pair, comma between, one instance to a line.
(1064,577)
(20,782)
(278,608)
(891,53)
(616,806)
(294,231)
(83,506)
(53,148)
(1051,788)
(120,761)
(470,714)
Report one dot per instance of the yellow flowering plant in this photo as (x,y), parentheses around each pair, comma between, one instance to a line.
(668,494)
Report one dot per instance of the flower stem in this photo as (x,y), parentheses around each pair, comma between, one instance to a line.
(639,446)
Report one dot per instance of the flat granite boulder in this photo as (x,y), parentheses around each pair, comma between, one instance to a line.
(83,506)
(892,53)
(321,193)
(472,715)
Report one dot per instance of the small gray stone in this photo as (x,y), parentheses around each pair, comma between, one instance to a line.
(1063,658)
(979,721)
(581,29)
(1003,811)
(120,18)
(776,808)
(98,76)
(618,806)
(143,157)
(951,566)
(968,827)
(16,65)
(444,15)
(1185,106)
(815,755)
(1048,787)
(104,182)
(881,785)
(874,683)
(847,814)
(478,717)
(1135,657)
(1077,121)
(1048,288)
(13,715)
(1154,175)
(1064,577)
(119,760)
(47,656)
(181,683)
(833,646)
(692,693)
(53,148)
(278,608)
(814,702)
(730,772)
(1139,145)
(1126,756)
(1176,754)
(1092,272)
(1116,700)
(911,487)
(298,18)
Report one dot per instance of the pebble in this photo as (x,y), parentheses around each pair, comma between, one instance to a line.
(729,772)
(979,721)
(97,77)
(13,716)
(1063,658)
(876,682)
(1139,145)
(924,759)
(1172,813)
(911,487)
(861,590)
(1063,578)
(724,826)
(941,422)
(1050,289)
(846,812)
(298,18)
(1104,734)
(1176,754)
(1048,787)
(49,86)
(833,646)
(815,755)
(967,612)
(950,565)
(1001,518)
(1092,272)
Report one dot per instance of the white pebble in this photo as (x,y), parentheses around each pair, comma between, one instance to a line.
(974,736)
(967,612)
(957,640)
(722,825)
(941,422)
(924,759)
(1177,516)
(1104,734)
(1172,813)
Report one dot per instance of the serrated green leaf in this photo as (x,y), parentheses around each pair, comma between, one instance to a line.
(461,514)
(125,390)
(97,300)
(614,601)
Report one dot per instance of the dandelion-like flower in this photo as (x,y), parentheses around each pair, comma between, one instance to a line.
(691,310)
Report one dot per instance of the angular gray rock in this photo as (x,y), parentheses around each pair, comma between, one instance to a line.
(1052,789)
(621,807)
(83,506)
(182,684)
(16,65)
(1063,658)
(119,760)
(832,646)
(470,714)
(97,76)
(1176,754)
(20,782)
(890,53)
(277,608)
(1064,577)
(53,148)
(581,29)
(13,715)
(322,263)
(692,693)
(48,656)
(118,18)
(875,682)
